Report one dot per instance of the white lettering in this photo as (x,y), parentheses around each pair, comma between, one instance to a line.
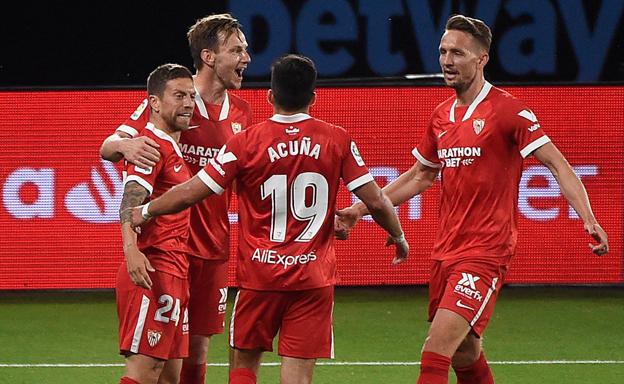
(294,148)
(269,256)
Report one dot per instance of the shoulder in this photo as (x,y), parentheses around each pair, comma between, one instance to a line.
(238,101)
(167,146)
(444,107)
(506,102)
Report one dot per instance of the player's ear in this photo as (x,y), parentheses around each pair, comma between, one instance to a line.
(313,99)
(154,103)
(208,57)
(271,97)
(483,59)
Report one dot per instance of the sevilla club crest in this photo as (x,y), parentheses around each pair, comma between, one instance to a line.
(236,127)
(153,337)
(477,125)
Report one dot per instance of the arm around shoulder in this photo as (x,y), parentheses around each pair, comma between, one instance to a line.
(141,151)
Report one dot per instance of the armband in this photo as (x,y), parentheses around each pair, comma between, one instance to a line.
(146,216)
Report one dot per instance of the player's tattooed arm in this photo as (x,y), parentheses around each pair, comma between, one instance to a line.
(134,195)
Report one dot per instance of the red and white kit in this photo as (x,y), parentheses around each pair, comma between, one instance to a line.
(210,128)
(480,149)
(153,322)
(288,172)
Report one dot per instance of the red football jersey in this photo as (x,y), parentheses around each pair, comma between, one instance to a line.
(211,126)
(163,239)
(288,172)
(480,149)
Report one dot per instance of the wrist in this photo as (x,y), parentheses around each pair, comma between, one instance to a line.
(145,212)
(399,239)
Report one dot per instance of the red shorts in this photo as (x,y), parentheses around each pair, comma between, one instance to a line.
(303,319)
(153,322)
(468,287)
(208,288)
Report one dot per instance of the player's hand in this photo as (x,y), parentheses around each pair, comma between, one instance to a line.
(140,151)
(138,267)
(137,219)
(345,220)
(596,231)
(401,250)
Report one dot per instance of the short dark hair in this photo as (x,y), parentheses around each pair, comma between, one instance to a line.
(293,80)
(157,80)
(205,34)
(475,27)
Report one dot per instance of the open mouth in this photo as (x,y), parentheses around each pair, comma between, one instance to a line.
(239,72)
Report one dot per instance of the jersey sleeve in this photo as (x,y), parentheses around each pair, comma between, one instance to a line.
(354,172)
(221,170)
(527,132)
(427,150)
(137,121)
(146,177)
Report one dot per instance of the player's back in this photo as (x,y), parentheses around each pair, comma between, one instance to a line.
(288,177)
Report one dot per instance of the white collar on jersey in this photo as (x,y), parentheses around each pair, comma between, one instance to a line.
(163,135)
(484,92)
(288,119)
(225,107)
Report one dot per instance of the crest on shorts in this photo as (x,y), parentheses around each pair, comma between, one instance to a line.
(236,127)
(153,337)
(477,125)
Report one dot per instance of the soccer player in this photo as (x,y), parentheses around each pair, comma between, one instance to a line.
(219,51)
(152,285)
(287,171)
(478,140)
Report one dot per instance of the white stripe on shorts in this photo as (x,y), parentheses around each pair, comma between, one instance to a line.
(485,301)
(232,320)
(332,331)
(138,330)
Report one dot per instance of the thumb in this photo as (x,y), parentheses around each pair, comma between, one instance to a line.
(389,241)
(148,266)
(340,213)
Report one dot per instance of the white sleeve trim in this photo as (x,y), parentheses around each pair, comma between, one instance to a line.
(526,151)
(359,181)
(141,182)
(128,129)
(210,183)
(424,161)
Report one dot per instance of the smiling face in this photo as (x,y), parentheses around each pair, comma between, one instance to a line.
(462,59)
(175,107)
(230,60)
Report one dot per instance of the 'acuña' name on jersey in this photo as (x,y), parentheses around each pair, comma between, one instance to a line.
(294,148)
(204,153)
(456,156)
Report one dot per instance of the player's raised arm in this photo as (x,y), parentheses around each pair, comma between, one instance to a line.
(141,151)
(574,192)
(174,200)
(383,213)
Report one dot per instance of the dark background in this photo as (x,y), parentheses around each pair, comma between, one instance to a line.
(97,44)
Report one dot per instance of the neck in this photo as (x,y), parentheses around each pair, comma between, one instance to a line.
(281,111)
(160,124)
(209,87)
(467,96)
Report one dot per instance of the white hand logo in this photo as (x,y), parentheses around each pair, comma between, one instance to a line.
(81,203)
